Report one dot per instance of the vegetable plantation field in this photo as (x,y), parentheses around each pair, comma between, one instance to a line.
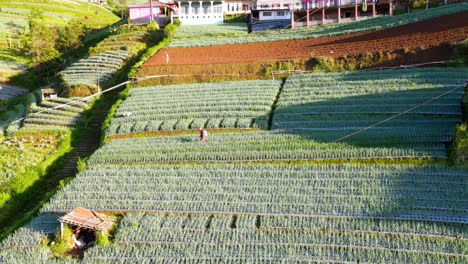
(190,106)
(322,31)
(8,91)
(197,31)
(327,107)
(105,60)
(292,192)
(200,238)
(413,193)
(61,112)
(58,12)
(252,146)
(94,70)
(14,17)
(132,42)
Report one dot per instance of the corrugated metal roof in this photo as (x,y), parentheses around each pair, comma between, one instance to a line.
(86,218)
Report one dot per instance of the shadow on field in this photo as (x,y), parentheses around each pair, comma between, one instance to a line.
(381,120)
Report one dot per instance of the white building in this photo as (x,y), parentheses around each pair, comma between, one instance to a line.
(275,9)
(231,7)
(200,12)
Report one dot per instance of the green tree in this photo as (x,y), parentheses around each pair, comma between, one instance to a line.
(38,40)
(70,37)
(41,44)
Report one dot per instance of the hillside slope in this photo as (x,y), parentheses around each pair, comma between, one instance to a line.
(14,18)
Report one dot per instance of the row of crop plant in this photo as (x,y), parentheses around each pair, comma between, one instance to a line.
(106,60)
(406,192)
(396,106)
(162,238)
(181,107)
(255,146)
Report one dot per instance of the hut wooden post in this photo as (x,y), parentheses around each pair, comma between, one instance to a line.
(308,19)
(61,230)
(390,8)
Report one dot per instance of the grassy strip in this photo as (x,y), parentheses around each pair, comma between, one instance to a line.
(31,185)
(30,214)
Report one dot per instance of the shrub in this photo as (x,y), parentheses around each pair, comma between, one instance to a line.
(459,153)
(102,238)
(63,243)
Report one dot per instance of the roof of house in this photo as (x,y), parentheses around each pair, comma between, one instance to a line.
(155,4)
(86,218)
(49,90)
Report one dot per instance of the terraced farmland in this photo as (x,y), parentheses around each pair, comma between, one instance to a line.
(14,17)
(287,194)
(422,35)
(62,112)
(8,91)
(329,107)
(105,60)
(132,42)
(405,193)
(56,12)
(254,146)
(182,107)
(199,238)
(94,70)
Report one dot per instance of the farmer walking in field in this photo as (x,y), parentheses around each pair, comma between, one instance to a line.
(203,134)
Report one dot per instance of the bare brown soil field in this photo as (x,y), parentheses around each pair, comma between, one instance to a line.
(424,34)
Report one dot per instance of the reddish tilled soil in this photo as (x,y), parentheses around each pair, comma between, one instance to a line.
(424,34)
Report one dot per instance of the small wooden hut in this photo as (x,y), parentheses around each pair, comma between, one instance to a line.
(84,218)
(48,93)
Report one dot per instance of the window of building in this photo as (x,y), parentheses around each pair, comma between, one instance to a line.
(280,13)
(266,14)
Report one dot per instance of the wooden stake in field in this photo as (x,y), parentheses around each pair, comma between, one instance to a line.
(166,56)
